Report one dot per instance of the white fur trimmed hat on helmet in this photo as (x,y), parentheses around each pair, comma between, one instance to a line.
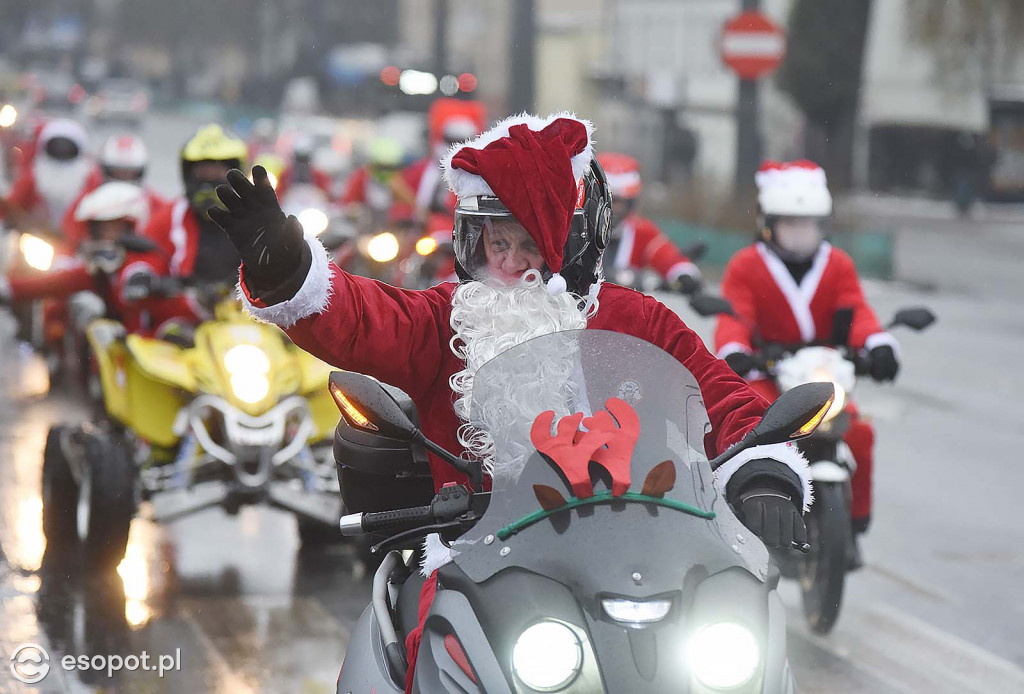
(793,189)
(124,152)
(113,200)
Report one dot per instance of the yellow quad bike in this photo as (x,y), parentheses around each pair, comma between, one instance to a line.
(231,416)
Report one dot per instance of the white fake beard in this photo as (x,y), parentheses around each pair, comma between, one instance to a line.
(489,319)
(59,183)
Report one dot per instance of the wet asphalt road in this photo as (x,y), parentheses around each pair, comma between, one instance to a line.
(938,608)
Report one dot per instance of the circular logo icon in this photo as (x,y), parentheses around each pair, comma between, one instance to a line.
(30,663)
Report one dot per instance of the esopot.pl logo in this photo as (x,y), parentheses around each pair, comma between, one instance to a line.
(30,663)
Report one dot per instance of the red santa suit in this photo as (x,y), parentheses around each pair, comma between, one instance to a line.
(404,337)
(770,306)
(320,179)
(641,244)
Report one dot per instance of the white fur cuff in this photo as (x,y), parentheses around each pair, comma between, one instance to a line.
(313,297)
(435,554)
(785,453)
(882,338)
(732,348)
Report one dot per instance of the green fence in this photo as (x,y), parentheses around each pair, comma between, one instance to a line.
(872,251)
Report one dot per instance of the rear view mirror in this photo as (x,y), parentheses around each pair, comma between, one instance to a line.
(366,405)
(796,414)
(917,318)
(707,305)
(696,250)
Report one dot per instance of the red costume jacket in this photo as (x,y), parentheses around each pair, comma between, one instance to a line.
(146,316)
(770,305)
(402,337)
(641,245)
(320,179)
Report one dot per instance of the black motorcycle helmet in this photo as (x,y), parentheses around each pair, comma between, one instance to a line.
(589,234)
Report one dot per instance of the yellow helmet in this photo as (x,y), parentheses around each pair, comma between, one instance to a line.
(212,143)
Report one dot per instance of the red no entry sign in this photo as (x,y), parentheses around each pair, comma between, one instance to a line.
(753,45)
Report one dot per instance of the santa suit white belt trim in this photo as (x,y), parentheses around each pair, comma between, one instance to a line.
(179,235)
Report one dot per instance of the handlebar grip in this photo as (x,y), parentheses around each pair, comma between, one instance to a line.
(383,521)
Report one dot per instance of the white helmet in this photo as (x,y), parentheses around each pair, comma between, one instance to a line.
(793,189)
(124,158)
(114,200)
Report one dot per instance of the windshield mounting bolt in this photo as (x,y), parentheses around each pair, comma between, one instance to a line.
(504,551)
(740,538)
(637,578)
(489,539)
(736,549)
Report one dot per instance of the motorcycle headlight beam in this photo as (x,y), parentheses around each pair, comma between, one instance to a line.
(38,254)
(249,369)
(314,221)
(383,247)
(547,656)
(636,613)
(723,655)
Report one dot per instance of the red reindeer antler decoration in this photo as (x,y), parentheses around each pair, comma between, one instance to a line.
(572,450)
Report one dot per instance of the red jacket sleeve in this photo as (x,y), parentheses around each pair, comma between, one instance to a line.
(659,253)
(735,333)
(733,407)
(23,196)
(395,335)
(851,295)
(55,284)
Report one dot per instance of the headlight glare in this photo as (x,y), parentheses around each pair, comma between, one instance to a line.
(313,220)
(634,612)
(248,367)
(38,253)
(250,388)
(383,247)
(723,655)
(547,656)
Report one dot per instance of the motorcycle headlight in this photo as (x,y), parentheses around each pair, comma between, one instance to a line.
(249,367)
(547,656)
(636,612)
(38,254)
(383,247)
(426,246)
(723,655)
(313,220)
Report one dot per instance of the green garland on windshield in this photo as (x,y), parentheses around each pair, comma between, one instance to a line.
(601,497)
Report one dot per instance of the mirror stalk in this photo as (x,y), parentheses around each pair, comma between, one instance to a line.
(471,469)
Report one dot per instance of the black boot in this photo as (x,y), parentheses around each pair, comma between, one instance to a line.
(854,559)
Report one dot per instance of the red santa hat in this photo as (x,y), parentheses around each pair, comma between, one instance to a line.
(535,167)
(796,188)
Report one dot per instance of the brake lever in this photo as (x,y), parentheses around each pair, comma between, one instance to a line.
(421,531)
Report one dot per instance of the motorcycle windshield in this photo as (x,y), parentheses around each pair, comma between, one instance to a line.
(585,525)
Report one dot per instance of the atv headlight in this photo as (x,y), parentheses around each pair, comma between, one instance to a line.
(38,254)
(313,220)
(249,367)
(547,656)
(723,655)
(426,245)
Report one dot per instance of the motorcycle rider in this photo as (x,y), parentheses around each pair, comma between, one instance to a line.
(103,265)
(51,179)
(532,220)
(637,242)
(786,288)
(122,158)
(193,245)
(300,170)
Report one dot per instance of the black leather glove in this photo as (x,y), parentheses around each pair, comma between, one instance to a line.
(884,364)
(773,516)
(138,287)
(741,362)
(271,245)
(686,284)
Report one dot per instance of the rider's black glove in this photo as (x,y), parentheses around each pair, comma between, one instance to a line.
(138,287)
(686,284)
(271,246)
(773,516)
(884,364)
(741,362)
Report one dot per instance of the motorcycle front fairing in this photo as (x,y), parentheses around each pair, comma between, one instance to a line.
(594,562)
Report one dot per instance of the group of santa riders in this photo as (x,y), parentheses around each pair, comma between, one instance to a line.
(537,220)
